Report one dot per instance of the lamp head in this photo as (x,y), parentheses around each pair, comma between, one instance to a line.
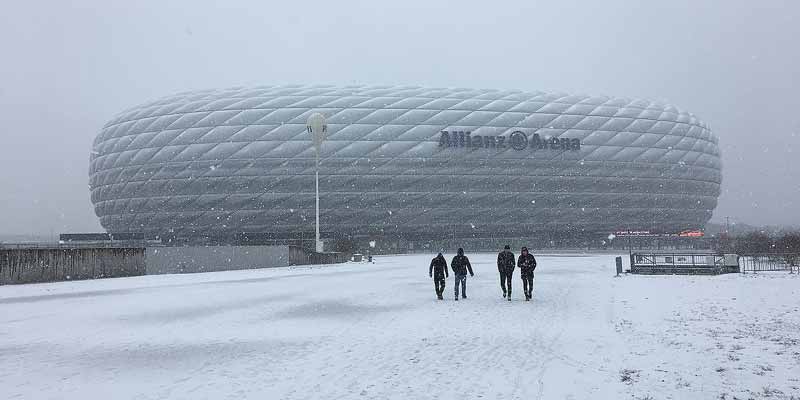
(317,128)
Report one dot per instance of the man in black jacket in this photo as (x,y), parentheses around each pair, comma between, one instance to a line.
(526,264)
(438,271)
(461,265)
(505,266)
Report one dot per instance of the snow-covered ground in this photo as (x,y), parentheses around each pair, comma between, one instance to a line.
(376,332)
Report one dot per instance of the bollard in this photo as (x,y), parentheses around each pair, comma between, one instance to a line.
(619,265)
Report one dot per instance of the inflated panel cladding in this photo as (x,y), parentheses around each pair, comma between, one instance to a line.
(240,160)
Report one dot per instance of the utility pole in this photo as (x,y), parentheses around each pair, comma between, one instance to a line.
(318,129)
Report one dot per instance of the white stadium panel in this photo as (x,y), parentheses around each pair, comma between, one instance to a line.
(405,161)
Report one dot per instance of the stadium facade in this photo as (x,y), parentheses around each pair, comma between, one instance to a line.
(408,162)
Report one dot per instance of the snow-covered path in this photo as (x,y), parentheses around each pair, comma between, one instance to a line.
(376,331)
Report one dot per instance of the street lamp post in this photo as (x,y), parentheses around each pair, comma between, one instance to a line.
(318,129)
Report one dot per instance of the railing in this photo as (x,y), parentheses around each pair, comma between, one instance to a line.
(771,262)
(683,263)
(678,259)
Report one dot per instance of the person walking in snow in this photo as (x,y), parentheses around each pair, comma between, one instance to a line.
(438,271)
(505,266)
(461,265)
(526,264)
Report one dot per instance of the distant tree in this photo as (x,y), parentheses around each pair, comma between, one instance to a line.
(789,244)
(725,243)
(754,243)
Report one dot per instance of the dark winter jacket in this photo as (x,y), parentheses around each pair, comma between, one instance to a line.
(526,263)
(438,268)
(505,261)
(460,264)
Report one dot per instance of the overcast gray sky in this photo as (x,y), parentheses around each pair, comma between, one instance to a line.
(68,67)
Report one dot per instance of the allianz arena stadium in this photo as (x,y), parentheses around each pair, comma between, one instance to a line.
(407,162)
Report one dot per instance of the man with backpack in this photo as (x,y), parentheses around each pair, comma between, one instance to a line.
(505,266)
(461,265)
(526,264)
(438,271)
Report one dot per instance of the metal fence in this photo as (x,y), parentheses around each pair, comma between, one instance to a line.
(755,263)
(668,263)
(30,265)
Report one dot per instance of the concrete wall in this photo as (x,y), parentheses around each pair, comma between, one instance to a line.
(29,265)
(301,256)
(175,260)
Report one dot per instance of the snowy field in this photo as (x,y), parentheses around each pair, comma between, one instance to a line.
(361,331)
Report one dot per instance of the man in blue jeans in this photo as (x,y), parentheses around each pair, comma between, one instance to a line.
(460,267)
